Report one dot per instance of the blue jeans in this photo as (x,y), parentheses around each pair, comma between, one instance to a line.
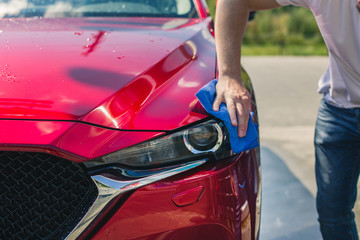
(337,151)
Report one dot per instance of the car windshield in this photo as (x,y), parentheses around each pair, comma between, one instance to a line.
(97,8)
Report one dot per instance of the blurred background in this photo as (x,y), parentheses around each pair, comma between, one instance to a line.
(284,31)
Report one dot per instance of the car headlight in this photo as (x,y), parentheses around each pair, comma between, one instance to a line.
(208,139)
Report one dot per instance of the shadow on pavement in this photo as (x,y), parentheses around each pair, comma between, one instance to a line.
(288,208)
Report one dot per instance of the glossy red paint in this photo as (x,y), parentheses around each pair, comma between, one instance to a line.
(75,141)
(187,197)
(225,210)
(202,8)
(159,103)
(71,71)
(95,67)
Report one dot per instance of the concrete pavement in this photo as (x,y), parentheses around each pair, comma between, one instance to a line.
(288,208)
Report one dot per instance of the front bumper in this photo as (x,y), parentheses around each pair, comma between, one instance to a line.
(215,200)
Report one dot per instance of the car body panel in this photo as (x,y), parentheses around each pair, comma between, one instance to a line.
(75,141)
(100,75)
(225,209)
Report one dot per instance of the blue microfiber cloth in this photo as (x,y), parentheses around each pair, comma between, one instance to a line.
(206,96)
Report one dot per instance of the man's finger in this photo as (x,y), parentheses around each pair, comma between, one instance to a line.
(243,119)
(217,102)
(242,129)
(232,111)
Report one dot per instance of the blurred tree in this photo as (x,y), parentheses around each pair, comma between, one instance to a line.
(281,31)
(284,27)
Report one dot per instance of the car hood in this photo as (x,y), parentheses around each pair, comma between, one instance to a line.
(121,73)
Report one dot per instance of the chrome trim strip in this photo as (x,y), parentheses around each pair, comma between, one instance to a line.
(110,188)
(124,186)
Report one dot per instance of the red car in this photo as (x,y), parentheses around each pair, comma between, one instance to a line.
(101,135)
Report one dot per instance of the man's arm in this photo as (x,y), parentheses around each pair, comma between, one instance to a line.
(230,24)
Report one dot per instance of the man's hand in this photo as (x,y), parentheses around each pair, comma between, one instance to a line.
(237,99)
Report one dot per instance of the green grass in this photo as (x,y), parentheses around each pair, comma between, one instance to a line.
(295,50)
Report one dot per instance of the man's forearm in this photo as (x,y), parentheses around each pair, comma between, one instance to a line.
(230,25)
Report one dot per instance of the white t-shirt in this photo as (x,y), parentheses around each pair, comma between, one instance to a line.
(339,23)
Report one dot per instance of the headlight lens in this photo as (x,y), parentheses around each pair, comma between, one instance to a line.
(208,138)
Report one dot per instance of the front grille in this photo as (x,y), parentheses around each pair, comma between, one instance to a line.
(41,196)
